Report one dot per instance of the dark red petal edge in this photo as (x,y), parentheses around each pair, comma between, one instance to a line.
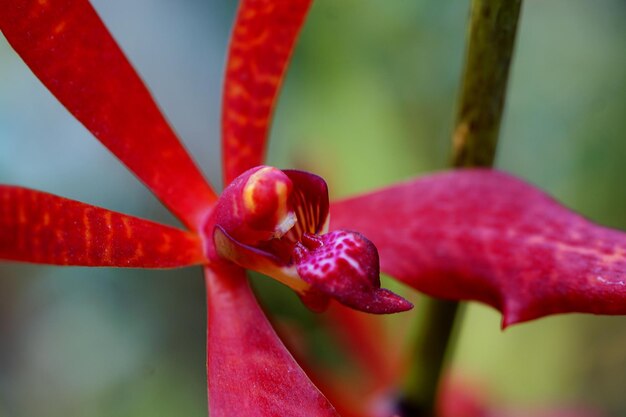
(250,372)
(43,228)
(262,42)
(69,49)
(484,235)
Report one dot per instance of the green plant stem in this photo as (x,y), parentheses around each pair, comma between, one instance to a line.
(430,352)
(493,26)
(491,39)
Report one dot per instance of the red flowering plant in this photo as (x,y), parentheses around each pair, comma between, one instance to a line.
(504,243)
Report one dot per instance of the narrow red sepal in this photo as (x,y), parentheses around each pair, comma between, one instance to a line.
(42,228)
(487,236)
(250,373)
(262,42)
(69,49)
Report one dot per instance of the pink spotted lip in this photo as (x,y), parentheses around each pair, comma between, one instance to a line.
(275,222)
(345,265)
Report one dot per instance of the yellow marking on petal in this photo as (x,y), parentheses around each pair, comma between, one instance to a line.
(235,63)
(21,213)
(128,231)
(238,90)
(286,219)
(108,247)
(166,245)
(137,254)
(60,244)
(325,226)
(251,184)
(237,118)
(281,192)
(87,234)
(60,27)
(248,14)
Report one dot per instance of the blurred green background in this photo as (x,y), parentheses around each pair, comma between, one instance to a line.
(369,101)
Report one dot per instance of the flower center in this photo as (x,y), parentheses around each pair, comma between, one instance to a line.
(276,222)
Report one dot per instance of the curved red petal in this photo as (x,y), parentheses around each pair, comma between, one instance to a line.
(262,42)
(250,372)
(69,49)
(43,228)
(487,236)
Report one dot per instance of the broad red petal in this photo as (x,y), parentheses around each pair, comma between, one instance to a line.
(250,372)
(262,42)
(487,236)
(69,49)
(43,228)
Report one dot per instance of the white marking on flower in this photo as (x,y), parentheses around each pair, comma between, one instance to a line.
(609,282)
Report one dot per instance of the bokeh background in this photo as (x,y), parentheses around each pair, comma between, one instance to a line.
(369,100)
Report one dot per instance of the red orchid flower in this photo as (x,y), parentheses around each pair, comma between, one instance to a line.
(479,235)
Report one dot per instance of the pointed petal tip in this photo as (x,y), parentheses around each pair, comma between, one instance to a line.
(511,315)
(505,323)
(384,301)
(377,301)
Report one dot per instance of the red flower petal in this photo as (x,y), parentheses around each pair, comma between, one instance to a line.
(250,373)
(43,228)
(262,42)
(484,235)
(69,49)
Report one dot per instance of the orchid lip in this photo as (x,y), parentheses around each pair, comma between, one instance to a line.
(344,265)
